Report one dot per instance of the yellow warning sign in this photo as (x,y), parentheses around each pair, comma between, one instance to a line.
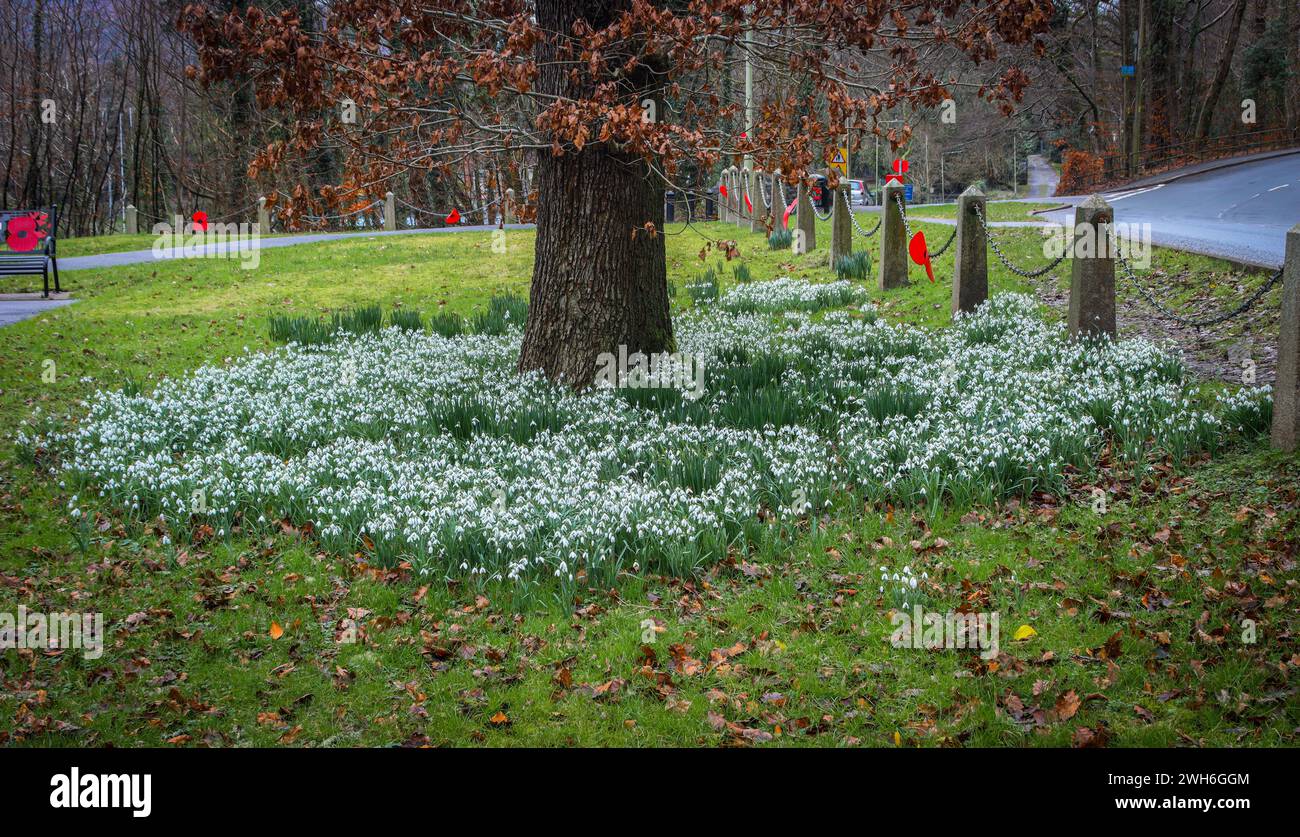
(840,160)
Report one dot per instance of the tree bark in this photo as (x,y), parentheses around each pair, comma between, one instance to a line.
(1206,115)
(599,278)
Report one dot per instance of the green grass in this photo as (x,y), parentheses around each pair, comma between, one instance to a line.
(117,243)
(788,641)
(997,211)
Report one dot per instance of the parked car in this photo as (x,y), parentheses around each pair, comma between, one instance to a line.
(858,193)
(821,193)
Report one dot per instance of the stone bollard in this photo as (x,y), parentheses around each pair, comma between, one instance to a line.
(807,221)
(778,207)
(725,212)
(893,239)
(263,217)
(507,211)
(132,221)
(841,226)
(1286,390)
(1092,269)
(390,212)
(737,196)
(755,184)
(970,278)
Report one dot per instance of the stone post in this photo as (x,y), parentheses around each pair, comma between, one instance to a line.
(1286,390)
(724,201)
(1092,269)
(390,212)
(263,217)
(755,196)
(970,277)
(507,211)
(841,225)
(777,209)
(737,198)
(132,220)
(807,221)
(893,239)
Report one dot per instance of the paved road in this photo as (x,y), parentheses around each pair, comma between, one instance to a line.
(141,256)
(13,310)
(1042,177)
(1240,212)
(21,307)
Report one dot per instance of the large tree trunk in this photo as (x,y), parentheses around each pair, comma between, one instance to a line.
(1206,115)
(599,278)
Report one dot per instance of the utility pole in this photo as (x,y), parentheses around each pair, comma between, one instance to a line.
(929,184)
(749,90)
(1015,179)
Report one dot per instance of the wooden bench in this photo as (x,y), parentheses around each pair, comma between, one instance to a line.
(29,254)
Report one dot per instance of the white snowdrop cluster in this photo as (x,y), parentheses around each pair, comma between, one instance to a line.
(899,588)
(787,294)
(411,446)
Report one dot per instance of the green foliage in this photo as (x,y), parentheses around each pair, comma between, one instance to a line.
(367,319)
(705,287)
(855,266)
(406,319)
(503,313)
(446,324)
(780,240)
(297,329)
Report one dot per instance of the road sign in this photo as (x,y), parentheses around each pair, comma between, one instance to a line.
(1127,69)
(840,160)
(907,193)
(900,169)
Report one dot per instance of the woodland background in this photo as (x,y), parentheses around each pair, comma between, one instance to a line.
(130,126)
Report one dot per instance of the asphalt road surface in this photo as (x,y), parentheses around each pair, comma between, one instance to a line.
(1042,177)
(1239,212)
(142,256)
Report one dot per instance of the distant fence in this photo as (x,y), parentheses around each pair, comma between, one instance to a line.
(1090,244)
(1117,167)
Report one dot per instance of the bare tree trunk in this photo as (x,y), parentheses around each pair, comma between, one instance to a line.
(599,278)
(1206,115)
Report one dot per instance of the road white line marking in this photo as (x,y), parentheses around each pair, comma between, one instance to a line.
(1283,186)
(1119,196)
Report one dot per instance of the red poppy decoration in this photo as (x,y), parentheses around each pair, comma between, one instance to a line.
(785,219)
(749,205)
(454,217)
(24,232)
(200,220)
(723,189)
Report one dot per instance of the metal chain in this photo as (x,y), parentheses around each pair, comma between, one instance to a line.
(765,194)
(1168,314)
(354,212)
(946,244)
(1028,274)
(907,230)
(825,217)
(857,226)
(473,210)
